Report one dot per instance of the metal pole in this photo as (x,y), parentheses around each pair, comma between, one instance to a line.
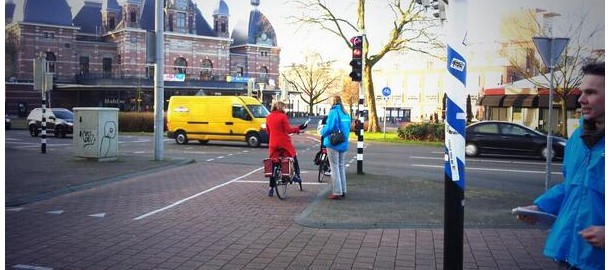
(455,127)
(549,141)
(360,128)
(159,68)
(43,132)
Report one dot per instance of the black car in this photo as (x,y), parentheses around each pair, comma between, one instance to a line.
(506,138)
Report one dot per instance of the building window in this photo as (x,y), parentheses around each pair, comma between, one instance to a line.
(239,71)
(264,74)
(206,70)
(180,65)
(181,22)
(51,60)
(111,23)
(107,67)
(49,35)
(84,65)
(132,17)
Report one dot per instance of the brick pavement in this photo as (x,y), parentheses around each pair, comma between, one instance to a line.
(235,226)
(229,224)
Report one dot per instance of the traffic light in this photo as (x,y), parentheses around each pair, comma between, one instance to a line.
(356,62)
(440,9)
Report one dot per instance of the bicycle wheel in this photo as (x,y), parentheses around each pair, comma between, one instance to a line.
(321,171)
(281,187)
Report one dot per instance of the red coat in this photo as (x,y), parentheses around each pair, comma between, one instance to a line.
(279,130)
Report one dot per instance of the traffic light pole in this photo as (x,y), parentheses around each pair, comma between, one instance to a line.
(360,128)
(455,127)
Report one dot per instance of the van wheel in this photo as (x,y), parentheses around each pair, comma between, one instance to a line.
(33,131)
(181,137)
(203,141)
(253,140)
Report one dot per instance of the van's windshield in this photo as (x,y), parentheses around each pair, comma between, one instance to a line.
(258,111)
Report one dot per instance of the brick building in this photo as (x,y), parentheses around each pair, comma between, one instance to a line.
(97,52)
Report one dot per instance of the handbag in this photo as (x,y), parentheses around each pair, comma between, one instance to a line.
(336,137)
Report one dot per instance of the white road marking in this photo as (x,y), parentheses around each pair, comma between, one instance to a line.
(139,152)
(487,169)
(267,182)
(194,152)
(196,195)
(210,159)
(490,161)
(100,215)
(13,209)
(56,212)
(220,157)
(30,267)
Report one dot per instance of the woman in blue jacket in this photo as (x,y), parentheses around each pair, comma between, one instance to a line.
(338,119)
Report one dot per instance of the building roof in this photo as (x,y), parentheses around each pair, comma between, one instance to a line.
(222,9)
(256,31)
(87,13)
(89,18)
(56,12)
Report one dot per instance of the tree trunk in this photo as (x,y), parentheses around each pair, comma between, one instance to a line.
(370,100)
(563,117)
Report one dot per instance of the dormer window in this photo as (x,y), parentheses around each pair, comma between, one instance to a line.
(132,17)
(181,22)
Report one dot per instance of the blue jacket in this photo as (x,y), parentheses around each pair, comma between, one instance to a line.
(336,118)
(578,203)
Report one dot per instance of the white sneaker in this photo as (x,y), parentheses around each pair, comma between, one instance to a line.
(327,173)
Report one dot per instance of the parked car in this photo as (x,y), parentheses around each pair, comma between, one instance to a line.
(506,138)
(59,121)
(7,122)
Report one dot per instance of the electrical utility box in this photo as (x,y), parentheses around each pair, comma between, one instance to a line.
(96,133)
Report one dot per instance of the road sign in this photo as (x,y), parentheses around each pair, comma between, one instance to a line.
(550,49)
(386,91)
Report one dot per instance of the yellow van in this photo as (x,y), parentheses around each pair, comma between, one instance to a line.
(223,118)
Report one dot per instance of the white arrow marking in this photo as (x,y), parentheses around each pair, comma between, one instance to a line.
(23,266)
(100,215)
(56,212)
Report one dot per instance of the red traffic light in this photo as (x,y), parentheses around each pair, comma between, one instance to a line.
(356,41)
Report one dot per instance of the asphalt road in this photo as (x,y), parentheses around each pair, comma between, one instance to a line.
(522,175)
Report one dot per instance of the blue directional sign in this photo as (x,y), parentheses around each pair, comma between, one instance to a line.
(386,91)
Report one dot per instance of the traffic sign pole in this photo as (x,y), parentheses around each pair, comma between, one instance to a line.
(455,137)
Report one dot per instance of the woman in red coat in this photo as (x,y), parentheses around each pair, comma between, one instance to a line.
(279,130)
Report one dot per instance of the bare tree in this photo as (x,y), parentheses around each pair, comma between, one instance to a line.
(349,94)
(313,79)
(409,32)
(520,53)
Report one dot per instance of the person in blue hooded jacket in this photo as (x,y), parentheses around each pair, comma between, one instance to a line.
(577,238)
(338,119)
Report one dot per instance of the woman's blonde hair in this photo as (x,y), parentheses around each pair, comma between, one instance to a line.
(336,99)
(278,106)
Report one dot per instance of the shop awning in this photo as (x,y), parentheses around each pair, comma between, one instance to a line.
(571,102)
(520,101)
(491,101)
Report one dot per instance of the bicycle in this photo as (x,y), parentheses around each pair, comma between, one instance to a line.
(323,165)
(281,171)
